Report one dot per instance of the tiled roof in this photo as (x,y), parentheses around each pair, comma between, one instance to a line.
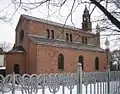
(18,49)
(58,43)
(55,24)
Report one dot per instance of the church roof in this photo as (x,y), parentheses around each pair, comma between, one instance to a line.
(59,43)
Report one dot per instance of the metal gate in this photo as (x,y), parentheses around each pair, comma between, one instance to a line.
(79,82)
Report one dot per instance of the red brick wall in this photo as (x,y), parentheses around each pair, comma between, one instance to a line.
(37,28)
(47,59)
(15,58)
(32,57)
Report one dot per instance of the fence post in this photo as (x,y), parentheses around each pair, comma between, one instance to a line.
(79,74)
(13,83)
(108,84)
(63,89)
(43,84)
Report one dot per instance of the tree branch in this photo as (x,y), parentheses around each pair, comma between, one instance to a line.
(110,17)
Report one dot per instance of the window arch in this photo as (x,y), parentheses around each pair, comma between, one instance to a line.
(67,37)
(16,68)
(52,32)
(86,40)
(81,60)
(60,61)
(70,37)
(96,63)
(48,33)
(83,40)
(21,35)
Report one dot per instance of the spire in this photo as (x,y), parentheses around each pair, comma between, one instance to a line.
(86,11)
(86,23)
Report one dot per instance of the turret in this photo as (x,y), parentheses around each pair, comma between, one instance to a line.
(86,23)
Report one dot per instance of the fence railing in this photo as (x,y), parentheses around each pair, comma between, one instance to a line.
(83,82)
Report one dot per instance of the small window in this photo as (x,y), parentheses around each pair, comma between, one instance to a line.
(16,68)
(60,61)
(83,40)
(52,32)
(21,35)
(81,60)
(70,37)
(67,37)
(86,40)
(96,63)
(48,33)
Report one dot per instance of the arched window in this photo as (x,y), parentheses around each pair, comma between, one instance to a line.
(81,60)
(96,63)
(52,32)
(86,40)
(83,40)
(48,33)
(16,68)
(60,61)
(21,35)
(70,37)
(67,37)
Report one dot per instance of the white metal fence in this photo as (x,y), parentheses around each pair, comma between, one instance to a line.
(82,82)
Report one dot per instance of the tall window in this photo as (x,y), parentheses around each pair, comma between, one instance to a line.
(48,33)
(52,32)
(96,63)
(16,68)
(81,60)
(60,61)
(67,37)
(83,40)
(86,40)
(70,37)
(21,35)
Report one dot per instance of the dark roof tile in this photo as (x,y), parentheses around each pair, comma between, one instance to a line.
(19,49)
(46,41)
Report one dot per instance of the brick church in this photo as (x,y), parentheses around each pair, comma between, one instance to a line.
(43,46)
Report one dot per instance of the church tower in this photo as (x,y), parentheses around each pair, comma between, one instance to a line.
(86,23)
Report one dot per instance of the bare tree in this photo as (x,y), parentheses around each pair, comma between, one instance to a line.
(110,17)
(115,60)
(6,46)
(30,5)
